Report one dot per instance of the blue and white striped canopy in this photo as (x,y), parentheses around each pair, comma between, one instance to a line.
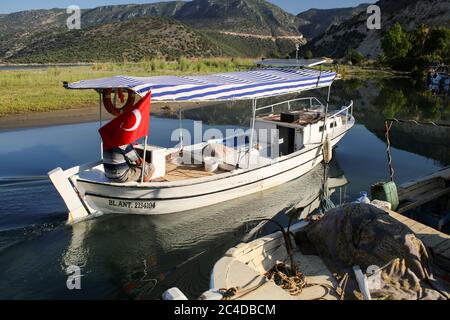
(217,87)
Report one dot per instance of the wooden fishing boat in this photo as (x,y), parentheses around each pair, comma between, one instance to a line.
(246,265)
(284,142)
(427,199)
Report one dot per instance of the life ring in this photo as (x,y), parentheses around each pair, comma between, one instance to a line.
(109,105)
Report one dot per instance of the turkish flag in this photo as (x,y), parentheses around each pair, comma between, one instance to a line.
(130,126)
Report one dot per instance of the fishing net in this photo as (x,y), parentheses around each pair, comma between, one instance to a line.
(360,234)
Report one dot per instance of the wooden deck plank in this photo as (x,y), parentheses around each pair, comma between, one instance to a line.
(443,247)
(420,188)
(424,198)
(177,173)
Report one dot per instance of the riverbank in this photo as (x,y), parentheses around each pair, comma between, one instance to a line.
(41,90)
(81,115)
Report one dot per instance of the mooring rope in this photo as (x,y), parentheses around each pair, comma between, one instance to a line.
(432,123)
(388,125)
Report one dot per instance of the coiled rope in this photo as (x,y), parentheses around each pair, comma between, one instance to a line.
(288,278)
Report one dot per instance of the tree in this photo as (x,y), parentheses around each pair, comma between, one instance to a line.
(395,43)
(308,54)
(438,42)
(354,56)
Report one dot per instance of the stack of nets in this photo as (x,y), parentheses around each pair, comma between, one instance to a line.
(361,234)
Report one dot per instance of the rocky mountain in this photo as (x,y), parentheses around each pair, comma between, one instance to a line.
(353,33)
(227,27)
(118,41)
(257,17)
(314,22)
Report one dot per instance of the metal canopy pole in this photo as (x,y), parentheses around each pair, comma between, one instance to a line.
(180,112)
(329,93)
(100,123)
(326,114)
(143,161)
(252,128)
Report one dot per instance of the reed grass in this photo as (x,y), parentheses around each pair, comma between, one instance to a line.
(24,91)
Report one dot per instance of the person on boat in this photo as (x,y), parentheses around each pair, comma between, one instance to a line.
(123,164)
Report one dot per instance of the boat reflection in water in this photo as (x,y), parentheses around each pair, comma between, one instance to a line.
(144,256)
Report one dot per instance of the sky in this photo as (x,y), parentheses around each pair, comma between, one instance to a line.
(293,6)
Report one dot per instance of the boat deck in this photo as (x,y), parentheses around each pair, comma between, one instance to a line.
(182,172)
(437,241)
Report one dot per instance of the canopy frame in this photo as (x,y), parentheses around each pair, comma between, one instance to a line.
(234,86)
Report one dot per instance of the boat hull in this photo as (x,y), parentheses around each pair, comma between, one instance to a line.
(108,198)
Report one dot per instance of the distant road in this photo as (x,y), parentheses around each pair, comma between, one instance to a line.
(264,37)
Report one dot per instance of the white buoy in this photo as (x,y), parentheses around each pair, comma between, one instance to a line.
(212,294)
(174,294)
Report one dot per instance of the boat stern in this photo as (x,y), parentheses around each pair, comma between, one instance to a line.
(77,208)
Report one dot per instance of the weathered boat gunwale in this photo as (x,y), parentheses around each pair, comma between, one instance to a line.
(413,194)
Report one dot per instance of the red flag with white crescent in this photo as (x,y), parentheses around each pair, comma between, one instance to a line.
(130,126)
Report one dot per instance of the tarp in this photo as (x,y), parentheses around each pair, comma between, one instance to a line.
(217,87)
(363,235)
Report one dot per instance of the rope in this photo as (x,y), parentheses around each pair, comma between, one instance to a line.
(288,278)
(388,125)
(325,201)
(342,286)
(430,123)
(238,292)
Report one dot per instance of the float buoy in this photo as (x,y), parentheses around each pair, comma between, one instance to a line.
(327,150)
(111,107)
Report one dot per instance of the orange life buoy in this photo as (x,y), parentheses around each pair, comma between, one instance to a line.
(109,105)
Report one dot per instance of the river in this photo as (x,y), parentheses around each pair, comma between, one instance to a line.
(137,257)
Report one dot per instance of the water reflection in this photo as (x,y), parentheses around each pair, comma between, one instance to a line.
(401,98)
(149,254)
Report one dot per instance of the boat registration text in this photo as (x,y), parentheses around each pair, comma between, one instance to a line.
(132,204)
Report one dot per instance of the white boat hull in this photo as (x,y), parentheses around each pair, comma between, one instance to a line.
(109,198)
(87,192)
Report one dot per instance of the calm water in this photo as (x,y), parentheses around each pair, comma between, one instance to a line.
(139,257)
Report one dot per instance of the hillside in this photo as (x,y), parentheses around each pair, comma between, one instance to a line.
(353,33)
(257,17)
(118,41)
(314,22)
(229,27)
